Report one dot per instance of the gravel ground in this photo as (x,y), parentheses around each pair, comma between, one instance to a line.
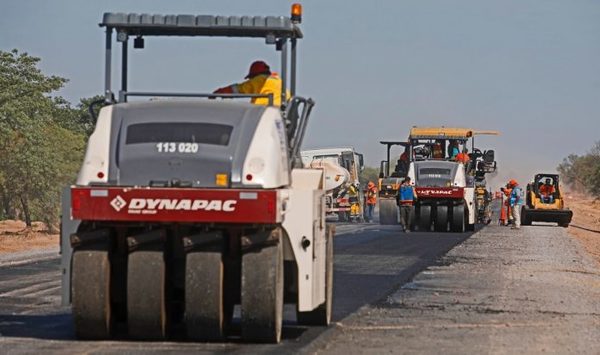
(502,291)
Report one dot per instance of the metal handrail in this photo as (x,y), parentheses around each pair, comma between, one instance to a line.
(205,95)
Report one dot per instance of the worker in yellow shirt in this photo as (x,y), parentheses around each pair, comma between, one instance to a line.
(260,80)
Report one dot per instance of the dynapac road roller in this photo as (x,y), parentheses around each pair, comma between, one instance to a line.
(185,208)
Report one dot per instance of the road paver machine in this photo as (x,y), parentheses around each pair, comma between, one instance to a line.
(184,208)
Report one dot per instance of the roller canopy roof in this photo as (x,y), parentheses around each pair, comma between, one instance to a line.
(447,133)
(201,25)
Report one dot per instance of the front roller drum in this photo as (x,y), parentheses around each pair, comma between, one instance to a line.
(90,288)
(262,288)
(205,311)
(146,303)
(388,211)
(322,314)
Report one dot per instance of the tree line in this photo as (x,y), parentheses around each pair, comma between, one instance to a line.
(582,172)
(42,140)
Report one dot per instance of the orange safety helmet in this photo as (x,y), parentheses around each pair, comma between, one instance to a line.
(258,67)
(370,184)
(513,182)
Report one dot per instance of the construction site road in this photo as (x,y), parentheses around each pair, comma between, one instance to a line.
(370,262)
(498,290)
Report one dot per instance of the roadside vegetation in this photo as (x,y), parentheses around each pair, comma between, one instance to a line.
(582,172)
(42,140)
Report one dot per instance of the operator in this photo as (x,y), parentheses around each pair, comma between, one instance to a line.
(438,150)
(515,201)
(547,191)
(260,80)
(405,200)
(371,200)
(453,149)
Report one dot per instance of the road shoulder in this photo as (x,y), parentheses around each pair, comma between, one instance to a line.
(502,291)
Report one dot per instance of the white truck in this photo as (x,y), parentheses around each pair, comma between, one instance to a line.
(184,208)
(342,167)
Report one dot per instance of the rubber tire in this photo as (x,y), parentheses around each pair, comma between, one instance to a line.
(441,218)
(388,211)
(525,221)
(146,303)
(424,218)
(322,314)
(90,292)
(457,224)
(262,294)
(205,315)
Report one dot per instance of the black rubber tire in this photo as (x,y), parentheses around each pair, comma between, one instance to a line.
(441,218)
(525,219)
(90,292)
(322,314)
(388,211)
(205,315)
(146,304)
(262,293)
(457,224)
(424,219)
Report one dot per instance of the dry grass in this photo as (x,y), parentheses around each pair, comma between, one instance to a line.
(14,236)
(586,213)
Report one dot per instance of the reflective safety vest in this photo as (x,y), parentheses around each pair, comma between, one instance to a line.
(261,84)
(372,196)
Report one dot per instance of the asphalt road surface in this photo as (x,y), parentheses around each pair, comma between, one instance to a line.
(371,262)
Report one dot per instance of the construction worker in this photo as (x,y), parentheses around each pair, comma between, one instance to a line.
(405,200)
(453,149)
(507,191)
(260,80)
(503,213)
(547,191)
(438,149)
(463,157)
(371,196)
(515,201)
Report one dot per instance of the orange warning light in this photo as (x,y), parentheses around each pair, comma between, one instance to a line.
(296,13)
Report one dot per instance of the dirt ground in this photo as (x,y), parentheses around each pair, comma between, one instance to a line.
(586,213)
(14,236)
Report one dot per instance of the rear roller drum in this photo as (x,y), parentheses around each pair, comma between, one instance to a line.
(388,211)
(146,304)
(322,314)
(457,224)
(441,219)
(205,315)
(262,292)
(90,288)
(425,218)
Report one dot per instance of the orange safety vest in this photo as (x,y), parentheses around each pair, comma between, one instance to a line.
(372,196)
(462,158)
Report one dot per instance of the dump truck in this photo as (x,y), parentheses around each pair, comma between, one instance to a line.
(389,182)
(342,167)
(540,208)
(445,188)
(184,208)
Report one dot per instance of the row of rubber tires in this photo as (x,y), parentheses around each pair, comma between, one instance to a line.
(207,312)
(440,218)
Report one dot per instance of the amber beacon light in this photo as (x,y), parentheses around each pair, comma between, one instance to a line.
(296,13)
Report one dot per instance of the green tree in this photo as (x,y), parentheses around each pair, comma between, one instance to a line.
(369,174)
(582,172)
(41,139)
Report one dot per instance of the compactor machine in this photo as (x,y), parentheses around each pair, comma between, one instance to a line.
(184,208)
(389,183)
(445,188)
(545,207)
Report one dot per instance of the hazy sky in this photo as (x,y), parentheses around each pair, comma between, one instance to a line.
(529,68)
